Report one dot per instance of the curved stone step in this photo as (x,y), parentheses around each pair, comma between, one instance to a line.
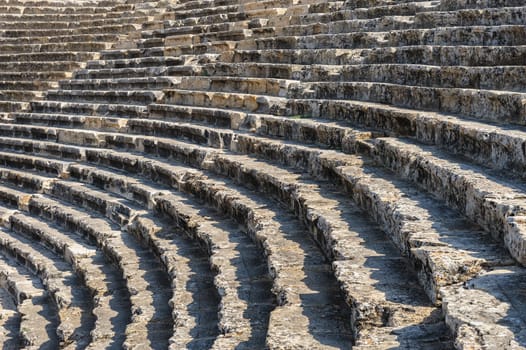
(242,317)
(501,35)
(141,62)
(110,298)
(316,267)
(458,225)
(65,288)
(496,106)
(38,319)
(439,55)
(237,101)
(284,272)
(488,199)
(489,255)
(195,299)
(149,291)
(56,32)
(86,108)
(9,321)
(466,309)
(119,73)
(138,83)
(40,66)
(507,78)
(128,97)
(62,23)
(27,40)
(49,57)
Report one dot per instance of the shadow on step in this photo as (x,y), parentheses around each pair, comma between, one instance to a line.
(204,305)
(255,288)
(120,301)
(11,325)
(321,297)
(490,309)
(50,312)
(160,325)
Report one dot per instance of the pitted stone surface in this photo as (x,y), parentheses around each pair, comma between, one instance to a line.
(278,174)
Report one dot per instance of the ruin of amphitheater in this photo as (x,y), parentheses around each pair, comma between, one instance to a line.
(276,174)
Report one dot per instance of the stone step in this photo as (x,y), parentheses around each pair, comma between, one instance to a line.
(30,85)
(463,4)
(504,35)
(195,299)
(314,269)
(466,309)
(257,70)
(64,10)
(128,97)
(40,66)
(237,101)
(255,174)
(202,12)
(38,314)
(20,95)
(284,272)
(55,32)
(110,300)
(457,223)
(195,4)
(194,39)
(158,167)
(436,55)
(149,291)
(219,117)
(242,85)
(9,321)
(497,106)
(465,137)
(121,73)
(34,76)
(470,17)
(42,206)
(142,62)
(122,110)
(210,48)
(24,161)
(429,18)
(143,83)
(74,17)
(67,291)
(507,78)
(119,54)
(168,30)
(51,3)
(83,46)
(28,181)
(232,254)
(381,24)
(492,256)
(207,20)
(46,149)
(373,10)
(28,40)
(365,3)
(263,9)
(62,23)
(487,199)
(44,57)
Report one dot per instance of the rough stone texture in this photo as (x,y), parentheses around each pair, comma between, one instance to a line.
(278,174)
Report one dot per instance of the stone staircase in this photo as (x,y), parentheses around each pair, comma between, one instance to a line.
(278,174)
